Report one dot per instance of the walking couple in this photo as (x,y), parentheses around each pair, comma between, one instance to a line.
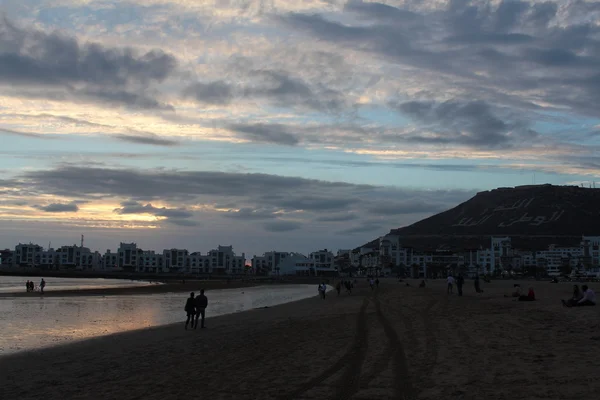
(195,307)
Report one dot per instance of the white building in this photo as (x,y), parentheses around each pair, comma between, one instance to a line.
(268,262)
(151,262)
(76,257)
(176,260)
(27,255)
(128,256)
(223,261)
(110,261)
(294,264)
(6,258)
(323,259)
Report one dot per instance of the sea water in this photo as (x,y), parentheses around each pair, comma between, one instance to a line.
(28,323)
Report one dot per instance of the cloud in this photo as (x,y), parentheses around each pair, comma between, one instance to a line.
(263,133)
(257,197)
(337,218)
(149,139)
(472,123)
(363,228)
(24,134)
(249,214)
(120,76)
(58,207)
(134,207)
(219,93)
(282,226)
(415,206)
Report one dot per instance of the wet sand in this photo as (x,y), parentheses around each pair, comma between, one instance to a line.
(395,343)
(155,287)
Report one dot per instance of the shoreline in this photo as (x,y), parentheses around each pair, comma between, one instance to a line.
(394,342)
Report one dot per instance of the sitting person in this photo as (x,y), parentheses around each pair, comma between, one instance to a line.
(530,296)
(422,284)
(517,291)
(588,299)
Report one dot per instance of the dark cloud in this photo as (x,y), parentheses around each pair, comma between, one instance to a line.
(182,222)
(24,134)
(415,206)
(257,197)
(490,51)
(279,88)
(33,58)
(363,228)
(337,218)
(152,140)
(267,133)
(219,93)
(59,207)
(249,214)
(134,207)
(282,226)
(472,123)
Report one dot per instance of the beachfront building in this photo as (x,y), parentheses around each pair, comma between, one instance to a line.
(128,256)
(268,262)
(223,261)
(6,258)
(176,260)
(323,259)
(151,262)
(27,255)
(556,258)
(294,264)
(199,264)
(76,257)
(110,261)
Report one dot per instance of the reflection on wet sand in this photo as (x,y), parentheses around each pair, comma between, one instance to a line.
(29,323)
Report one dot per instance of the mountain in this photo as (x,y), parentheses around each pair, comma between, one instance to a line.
(533,216)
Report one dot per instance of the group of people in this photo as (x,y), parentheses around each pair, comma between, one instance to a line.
(349,285)
(583,297)
(518,294)
(195,308)
(459,281)
(30,286)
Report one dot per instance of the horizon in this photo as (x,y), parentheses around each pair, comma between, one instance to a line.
(287,126)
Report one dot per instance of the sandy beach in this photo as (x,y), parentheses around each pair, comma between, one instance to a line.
(395,343)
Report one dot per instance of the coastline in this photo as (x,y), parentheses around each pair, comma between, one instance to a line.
(397,342)
(163,286)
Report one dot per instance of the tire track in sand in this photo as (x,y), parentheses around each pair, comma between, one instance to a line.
(402,383)
(352,359)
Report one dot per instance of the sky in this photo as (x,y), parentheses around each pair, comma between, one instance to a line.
(289,125)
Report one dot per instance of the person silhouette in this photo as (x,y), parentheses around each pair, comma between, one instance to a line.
(190,310)
(201,304)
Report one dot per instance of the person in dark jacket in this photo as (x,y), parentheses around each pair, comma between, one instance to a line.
(201,304)
(460,281)
(190,310)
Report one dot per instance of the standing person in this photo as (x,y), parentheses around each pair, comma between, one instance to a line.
(377,282)
(338,287)
(371,283)
(459,283)
(450,281)
(323,290)
(476,283)
(28,286)
(42,285)
(201,304)
(190,310)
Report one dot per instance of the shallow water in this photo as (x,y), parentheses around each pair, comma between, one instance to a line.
(29,323)
(11,284)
